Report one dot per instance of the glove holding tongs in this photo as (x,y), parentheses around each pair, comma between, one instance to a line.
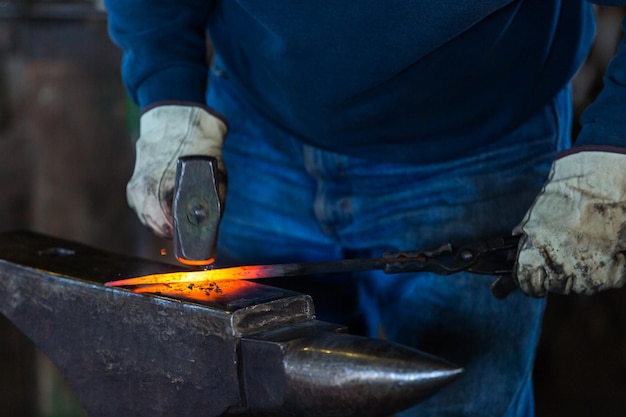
(572,239)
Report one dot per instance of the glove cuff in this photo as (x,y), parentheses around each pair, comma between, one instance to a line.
(181,103)
(600,174)
(174,120)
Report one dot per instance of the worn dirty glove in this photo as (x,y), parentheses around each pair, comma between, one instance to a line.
(574,236)
(166,133)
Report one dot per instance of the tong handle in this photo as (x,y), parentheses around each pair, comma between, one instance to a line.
(503,286)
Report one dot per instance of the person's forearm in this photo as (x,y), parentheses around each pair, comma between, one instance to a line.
(164,46)
(604,121)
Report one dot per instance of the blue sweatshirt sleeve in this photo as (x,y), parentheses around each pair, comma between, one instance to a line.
(164,48)
(604,121)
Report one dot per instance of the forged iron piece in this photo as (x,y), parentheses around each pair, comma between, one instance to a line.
(240,349)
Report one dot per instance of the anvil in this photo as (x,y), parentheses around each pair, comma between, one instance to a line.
(244,349)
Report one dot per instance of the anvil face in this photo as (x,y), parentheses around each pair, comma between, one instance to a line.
(247,349)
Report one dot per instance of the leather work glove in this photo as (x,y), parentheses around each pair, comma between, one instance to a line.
(166,133)
(574,235)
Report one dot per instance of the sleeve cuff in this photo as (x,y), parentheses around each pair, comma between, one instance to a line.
(208,109)
(591,148)
(177,84)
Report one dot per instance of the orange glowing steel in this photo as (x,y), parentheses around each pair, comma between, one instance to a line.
(262,271)
(207,291)
(211,275)
(193,262)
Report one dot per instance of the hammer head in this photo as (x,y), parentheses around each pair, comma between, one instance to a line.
(196,210)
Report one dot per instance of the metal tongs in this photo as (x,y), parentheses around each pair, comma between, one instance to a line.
(494,256)
(489,257)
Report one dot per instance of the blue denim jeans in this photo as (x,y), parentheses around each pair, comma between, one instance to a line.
(290,202)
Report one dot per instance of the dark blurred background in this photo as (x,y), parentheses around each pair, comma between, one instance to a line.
(66,152)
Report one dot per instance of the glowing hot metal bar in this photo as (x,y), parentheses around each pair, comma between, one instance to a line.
(250,272)
(392,262)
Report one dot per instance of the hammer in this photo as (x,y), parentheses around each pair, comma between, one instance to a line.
(196,210)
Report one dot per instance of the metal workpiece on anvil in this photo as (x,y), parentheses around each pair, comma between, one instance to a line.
(236,348)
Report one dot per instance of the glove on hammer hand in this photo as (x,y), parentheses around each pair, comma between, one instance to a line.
(166,133)
(574,236)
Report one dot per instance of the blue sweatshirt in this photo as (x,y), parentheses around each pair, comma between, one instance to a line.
(395,80)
